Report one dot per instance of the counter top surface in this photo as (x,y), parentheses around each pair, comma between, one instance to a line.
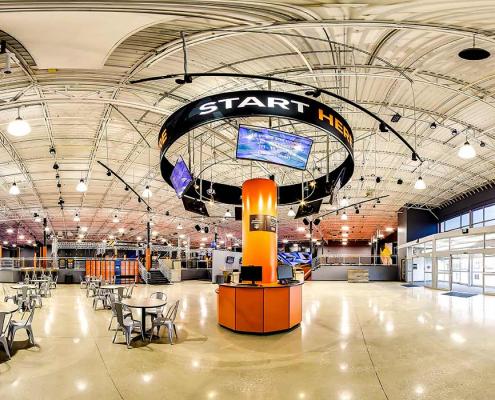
(260,286)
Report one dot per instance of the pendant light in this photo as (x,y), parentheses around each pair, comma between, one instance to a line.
(291,212)
(77,218)
(115,219)
(466,151)
(147,192)
(343,217)
(420,184)
(19,127)
(344,202)
(14,190)
(81,186)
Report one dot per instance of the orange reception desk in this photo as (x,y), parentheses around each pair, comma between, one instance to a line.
(265,308)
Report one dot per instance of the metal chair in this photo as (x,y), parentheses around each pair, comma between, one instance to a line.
(126,325)
(26,324)
(23,298)
(167,321)
(129,291)
(158,311)
(7,296)
(45,290)
(126,312)
(35,297)
(4,341)
(91,289)
(53,281)
(120,293)
(85,282)
(99,296)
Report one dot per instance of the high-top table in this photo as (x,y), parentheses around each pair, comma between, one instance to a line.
(143,303)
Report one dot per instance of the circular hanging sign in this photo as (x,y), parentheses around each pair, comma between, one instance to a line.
(259,103)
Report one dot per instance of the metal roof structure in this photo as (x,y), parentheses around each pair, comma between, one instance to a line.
(71,79)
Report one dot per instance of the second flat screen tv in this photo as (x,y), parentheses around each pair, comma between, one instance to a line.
(276,147)
(181,177)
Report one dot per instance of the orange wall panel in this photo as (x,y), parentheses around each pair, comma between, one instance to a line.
(276,309)
(249,310)
(226,306)
(295,305)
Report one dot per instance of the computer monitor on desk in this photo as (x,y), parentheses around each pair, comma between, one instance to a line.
(285,273)
(251,273)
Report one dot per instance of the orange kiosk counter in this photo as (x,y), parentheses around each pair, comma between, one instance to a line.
(266,308)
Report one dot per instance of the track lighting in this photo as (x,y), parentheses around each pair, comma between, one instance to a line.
(433,125)
(420,184)
(383,127)
(291,212)
(55,166)
(414,156)
(81,186)
(147,192)
(466,151)
(14,190)
(18,127)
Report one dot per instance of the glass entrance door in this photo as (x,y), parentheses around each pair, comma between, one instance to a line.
(460,270)
(444,281)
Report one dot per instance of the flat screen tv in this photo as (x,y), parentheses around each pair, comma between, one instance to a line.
(272,146)
(309,209)
(195,206)
(180,177)
(251,273)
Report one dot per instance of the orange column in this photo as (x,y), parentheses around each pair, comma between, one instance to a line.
(148,259)
(259,226)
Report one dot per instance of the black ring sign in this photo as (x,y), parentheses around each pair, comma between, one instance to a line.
(259,103)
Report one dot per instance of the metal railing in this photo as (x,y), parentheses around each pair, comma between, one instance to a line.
(28,262)
(166,272)
(143,273)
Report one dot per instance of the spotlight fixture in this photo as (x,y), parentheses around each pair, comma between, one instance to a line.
(187,79)
(81,186)
(291,212)
(126,188)
(482,144)
(139,200)
(378,179)
(343,217)
(179,227)
(52,151)
(77,218)
(115,219)
(420,184)
(400,181)
(227,214)
(109,173)
(361,179)
(414,156)
(147,192)
(305,221)
(344,202)
(14,190)
(313,93)
(206,229)
(433,125)
(396,117)
(18,127)
(55,166)
(316,222)
(378,201)
(454,132)
(383,127)
(466,151)
(357,210)
(197,227)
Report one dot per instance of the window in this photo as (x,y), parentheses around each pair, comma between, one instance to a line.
(442,244)
(453,223)
(466,242)
(489,213)
(465,220)
(478,217)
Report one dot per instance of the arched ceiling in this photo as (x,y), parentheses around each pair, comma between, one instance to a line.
(389,56)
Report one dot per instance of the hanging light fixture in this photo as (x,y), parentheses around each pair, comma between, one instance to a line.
(466,151)
(291,212)
(227,214)
(37,218)
(77,218)
(81,186)
(420,184)
(179,226)
(115,219)
(14,190)
(343,217)
(147,192)
(344,202)
(19,127)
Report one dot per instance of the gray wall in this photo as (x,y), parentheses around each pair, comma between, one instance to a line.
(348,250)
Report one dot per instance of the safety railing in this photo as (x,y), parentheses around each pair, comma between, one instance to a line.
(143,273)
(165,270)
(28,263)
(350,259)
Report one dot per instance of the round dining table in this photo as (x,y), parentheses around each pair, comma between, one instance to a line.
(8,308)
(143,303)
(19,286)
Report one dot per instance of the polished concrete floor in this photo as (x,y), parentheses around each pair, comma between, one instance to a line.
(357,341)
